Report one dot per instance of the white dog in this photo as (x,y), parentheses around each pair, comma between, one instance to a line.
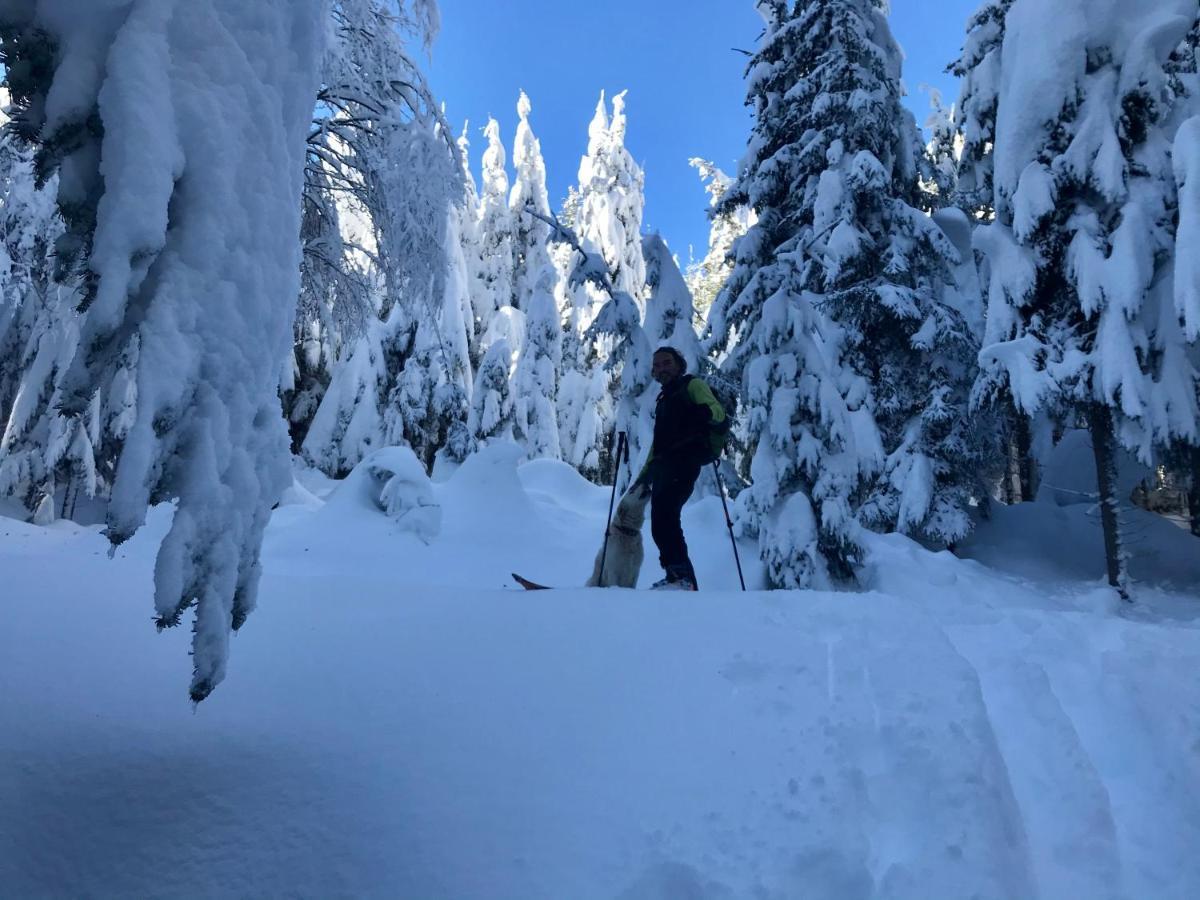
(623,559)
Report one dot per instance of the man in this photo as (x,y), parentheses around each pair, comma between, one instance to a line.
(689,431)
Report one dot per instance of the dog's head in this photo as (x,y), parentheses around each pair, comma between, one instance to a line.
(631,511)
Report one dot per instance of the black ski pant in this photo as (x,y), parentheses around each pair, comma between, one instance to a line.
(671,484)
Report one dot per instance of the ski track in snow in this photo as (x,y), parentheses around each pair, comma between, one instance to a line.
(395,724)
(1106,783)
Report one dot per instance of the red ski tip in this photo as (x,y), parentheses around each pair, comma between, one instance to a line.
(529,585)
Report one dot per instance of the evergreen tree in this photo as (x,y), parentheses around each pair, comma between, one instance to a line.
(367,78)
(939,173)
(1183,71)
(495,270)
(336,298)
(834,319)
(529,233)
(471,237)
(601,331)
(1182,456)
(535,383)
(348,423)
(492,402)
(48,461)
(428,395)
(611,192)
(38,332)
(1078,322)
(670,308)
(406,375)
(407,380)
(202,322)
(568,213)
(707,277)
(979,69)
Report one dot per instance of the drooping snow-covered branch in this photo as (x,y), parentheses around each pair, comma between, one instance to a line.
(184,229)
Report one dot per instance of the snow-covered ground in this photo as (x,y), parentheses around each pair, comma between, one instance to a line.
(398,721)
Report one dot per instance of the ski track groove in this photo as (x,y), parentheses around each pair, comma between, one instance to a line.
(1087,695)
(1077,683)
(1016,821)
(1011,739)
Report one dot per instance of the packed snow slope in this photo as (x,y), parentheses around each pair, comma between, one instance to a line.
(400,722)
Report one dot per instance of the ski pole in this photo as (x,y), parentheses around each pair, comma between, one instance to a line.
(728,523)
(611,501)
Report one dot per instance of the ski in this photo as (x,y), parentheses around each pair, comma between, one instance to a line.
(529,585)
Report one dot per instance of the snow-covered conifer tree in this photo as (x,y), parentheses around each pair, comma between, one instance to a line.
(707,276)
(348,423)
(1183,68)
(492,401)
(568,212)
(1078,322)
(979,69)
(427,402)
(336,296)
(428,406)
(939,165)
(211,317)
(670,308)
(535,382)
(365,78)
(529,233)
(611,199)
(495,270)
(38,335)
(406,377)
(471,237)
(855,368)
(27,217)
(596,347)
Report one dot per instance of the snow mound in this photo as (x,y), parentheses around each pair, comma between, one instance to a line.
(299,495)
(490,474)
(554,481)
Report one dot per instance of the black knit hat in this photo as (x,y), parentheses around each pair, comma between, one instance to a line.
(675,353)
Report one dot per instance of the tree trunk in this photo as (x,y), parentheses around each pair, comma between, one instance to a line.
(1193,496)
(1103,445)
(70,496)
(1026,467)
(1009,492)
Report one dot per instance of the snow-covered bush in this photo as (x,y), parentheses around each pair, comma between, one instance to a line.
(402,489)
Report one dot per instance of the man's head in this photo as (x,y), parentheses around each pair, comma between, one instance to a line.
(667,365)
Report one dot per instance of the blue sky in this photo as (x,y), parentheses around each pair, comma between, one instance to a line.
(675,57)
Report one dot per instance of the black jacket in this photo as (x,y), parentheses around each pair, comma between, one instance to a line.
(686,419)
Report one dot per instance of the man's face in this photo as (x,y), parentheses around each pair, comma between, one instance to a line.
(664,368)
